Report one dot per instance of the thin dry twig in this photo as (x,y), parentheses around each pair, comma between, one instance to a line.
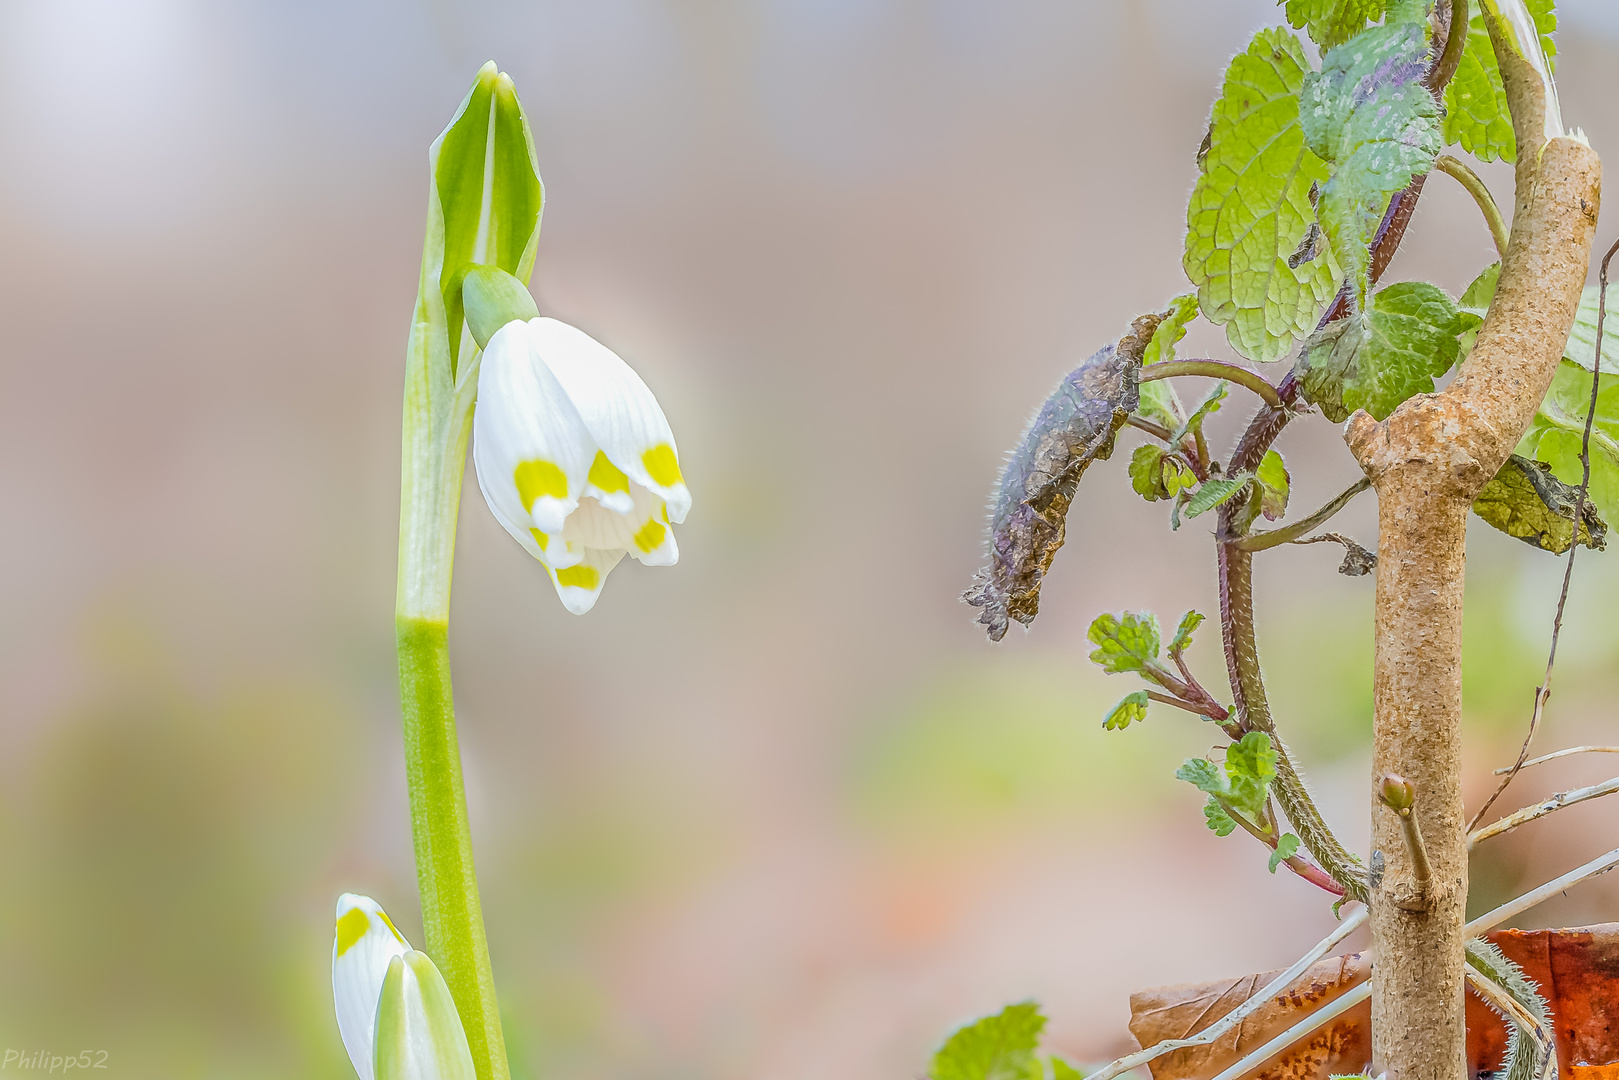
(1349,1000)
(1562,753)
(1336,1007)
(1541,809)
(1513,908)
(1543,691)
(1236,1016)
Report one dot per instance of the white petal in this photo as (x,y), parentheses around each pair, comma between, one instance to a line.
(365,943)
(531,447)
(595,526)
(653,541)
(622,415)
(419,1033)
(578,586)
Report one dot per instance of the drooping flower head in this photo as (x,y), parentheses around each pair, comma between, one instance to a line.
(396,1016)
(574,456)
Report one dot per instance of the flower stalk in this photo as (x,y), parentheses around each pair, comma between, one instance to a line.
(483,209)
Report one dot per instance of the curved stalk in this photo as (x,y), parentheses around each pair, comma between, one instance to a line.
(1215,369)
(1248,687)
(1263,541)
(1481,195)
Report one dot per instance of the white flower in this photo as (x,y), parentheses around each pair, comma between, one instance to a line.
(574,456)
(394,1012)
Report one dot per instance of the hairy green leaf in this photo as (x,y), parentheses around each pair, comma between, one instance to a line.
(1525,500)
(1215,492)
(1147,472)
(1250,766)
(1251,210)
(1157,474)
(1217,819)
(1183,633)
(1582,339)
(1286,848)
(1368,113)
(1204,775)
(1273,485)
(1477,297)
(1129,643)
(1062,1070)
(1182,310)
(1159,402)
(998,1047)
(1206,408)
(1476,113)
(1405,339)
(1332,22)
(1132,707)
(1241,784)
(1475,301)
(1554,433)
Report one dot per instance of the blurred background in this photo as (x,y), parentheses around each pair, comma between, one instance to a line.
(780,812)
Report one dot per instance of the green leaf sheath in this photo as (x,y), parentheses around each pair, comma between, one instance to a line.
(1368,113)
(1332,22)
(452,918)
(1407,337)
(1476,115)
(1250,213)
(487,180)
(997,1047)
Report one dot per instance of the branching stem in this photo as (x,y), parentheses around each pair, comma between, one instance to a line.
(1541,809)
(1157,431)
(1262,541)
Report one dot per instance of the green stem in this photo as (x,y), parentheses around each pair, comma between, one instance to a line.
(437,423)
(1248,687)
(1261,541)
(1214,369)
(452,917)
(1481,195)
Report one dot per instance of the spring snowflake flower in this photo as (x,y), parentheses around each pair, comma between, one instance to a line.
(574,456)
(394,1012)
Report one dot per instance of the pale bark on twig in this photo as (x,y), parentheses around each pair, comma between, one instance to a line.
(1428,461)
